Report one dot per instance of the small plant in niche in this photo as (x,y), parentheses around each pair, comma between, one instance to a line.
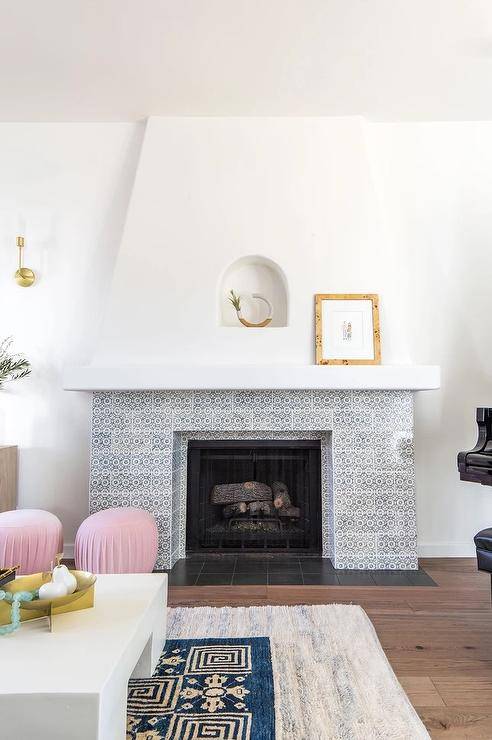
(13,366)
(235,300)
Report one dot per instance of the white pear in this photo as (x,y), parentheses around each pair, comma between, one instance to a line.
(52,590)
(61,574)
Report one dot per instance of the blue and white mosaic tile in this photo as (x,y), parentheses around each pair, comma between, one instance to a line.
(139,444)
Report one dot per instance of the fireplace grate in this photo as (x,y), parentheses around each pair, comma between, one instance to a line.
(275,484)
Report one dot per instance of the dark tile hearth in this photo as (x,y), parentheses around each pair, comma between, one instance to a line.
(290,570)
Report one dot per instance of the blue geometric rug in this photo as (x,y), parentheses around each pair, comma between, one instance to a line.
(207,688)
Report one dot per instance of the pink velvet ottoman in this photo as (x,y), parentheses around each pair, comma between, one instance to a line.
(117,541)
(31,537)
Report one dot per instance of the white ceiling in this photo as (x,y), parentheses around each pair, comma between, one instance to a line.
(112,60)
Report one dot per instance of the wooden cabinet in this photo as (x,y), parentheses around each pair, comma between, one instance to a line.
(8,478)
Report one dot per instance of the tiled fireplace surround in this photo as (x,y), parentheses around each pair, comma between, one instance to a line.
(139,458)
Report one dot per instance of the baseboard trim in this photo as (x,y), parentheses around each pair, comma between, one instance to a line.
(68,550)
(446,549)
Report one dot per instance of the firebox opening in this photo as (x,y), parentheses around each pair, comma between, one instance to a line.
(254,495)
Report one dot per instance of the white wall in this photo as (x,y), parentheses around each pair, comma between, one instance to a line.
(342,206)
(66,186)
(435,188)
(211,190)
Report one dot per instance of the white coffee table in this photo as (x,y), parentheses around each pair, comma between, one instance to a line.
(71,684)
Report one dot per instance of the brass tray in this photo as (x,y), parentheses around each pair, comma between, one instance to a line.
(82,597)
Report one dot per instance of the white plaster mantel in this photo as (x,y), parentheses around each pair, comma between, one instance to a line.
(251,377)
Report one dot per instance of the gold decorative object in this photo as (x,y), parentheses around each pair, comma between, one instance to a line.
(236,302)
(81,598)
(24,276)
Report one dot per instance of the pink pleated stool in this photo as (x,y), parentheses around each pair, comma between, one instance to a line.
(31,537)
(120,540)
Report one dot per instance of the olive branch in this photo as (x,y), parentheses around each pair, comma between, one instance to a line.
(12,366)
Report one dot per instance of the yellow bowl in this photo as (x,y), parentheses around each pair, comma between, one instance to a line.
(82,597)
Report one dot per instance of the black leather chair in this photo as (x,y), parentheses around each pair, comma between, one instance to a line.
(483,543)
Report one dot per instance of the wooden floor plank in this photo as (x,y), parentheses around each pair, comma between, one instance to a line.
(462,691)
(413,663)
(453,723)
(455,565)
(421,691)
(438,639)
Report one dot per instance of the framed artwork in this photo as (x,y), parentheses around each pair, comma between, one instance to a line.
(347,329)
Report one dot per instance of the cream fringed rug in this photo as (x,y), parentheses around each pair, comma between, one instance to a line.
(331,678)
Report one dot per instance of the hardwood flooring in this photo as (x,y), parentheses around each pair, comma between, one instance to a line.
(438,640)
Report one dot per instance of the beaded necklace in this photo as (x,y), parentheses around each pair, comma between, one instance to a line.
(15,599)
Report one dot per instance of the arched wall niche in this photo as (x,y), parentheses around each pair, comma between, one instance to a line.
(248,275)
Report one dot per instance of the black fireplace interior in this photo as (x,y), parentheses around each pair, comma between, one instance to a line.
(254,495)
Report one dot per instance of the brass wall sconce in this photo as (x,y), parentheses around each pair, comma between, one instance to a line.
(24,276)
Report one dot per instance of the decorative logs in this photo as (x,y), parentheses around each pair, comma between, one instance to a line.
(233,493)
(282,502)
(281,496)
(290,512)
(255,499)
(235,509)
(260,507)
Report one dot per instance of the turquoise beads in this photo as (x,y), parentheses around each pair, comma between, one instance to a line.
(15,599)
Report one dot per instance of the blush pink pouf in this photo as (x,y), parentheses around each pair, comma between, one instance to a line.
(31,537)
(120,540)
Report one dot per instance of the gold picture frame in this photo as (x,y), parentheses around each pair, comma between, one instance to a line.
(330,349)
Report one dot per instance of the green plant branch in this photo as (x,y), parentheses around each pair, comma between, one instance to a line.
(12,366)
(235,300)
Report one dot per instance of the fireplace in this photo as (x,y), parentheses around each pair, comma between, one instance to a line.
(254,495)
(139,458)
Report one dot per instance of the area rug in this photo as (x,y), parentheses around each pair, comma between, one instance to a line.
(212,688)
(271,673)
